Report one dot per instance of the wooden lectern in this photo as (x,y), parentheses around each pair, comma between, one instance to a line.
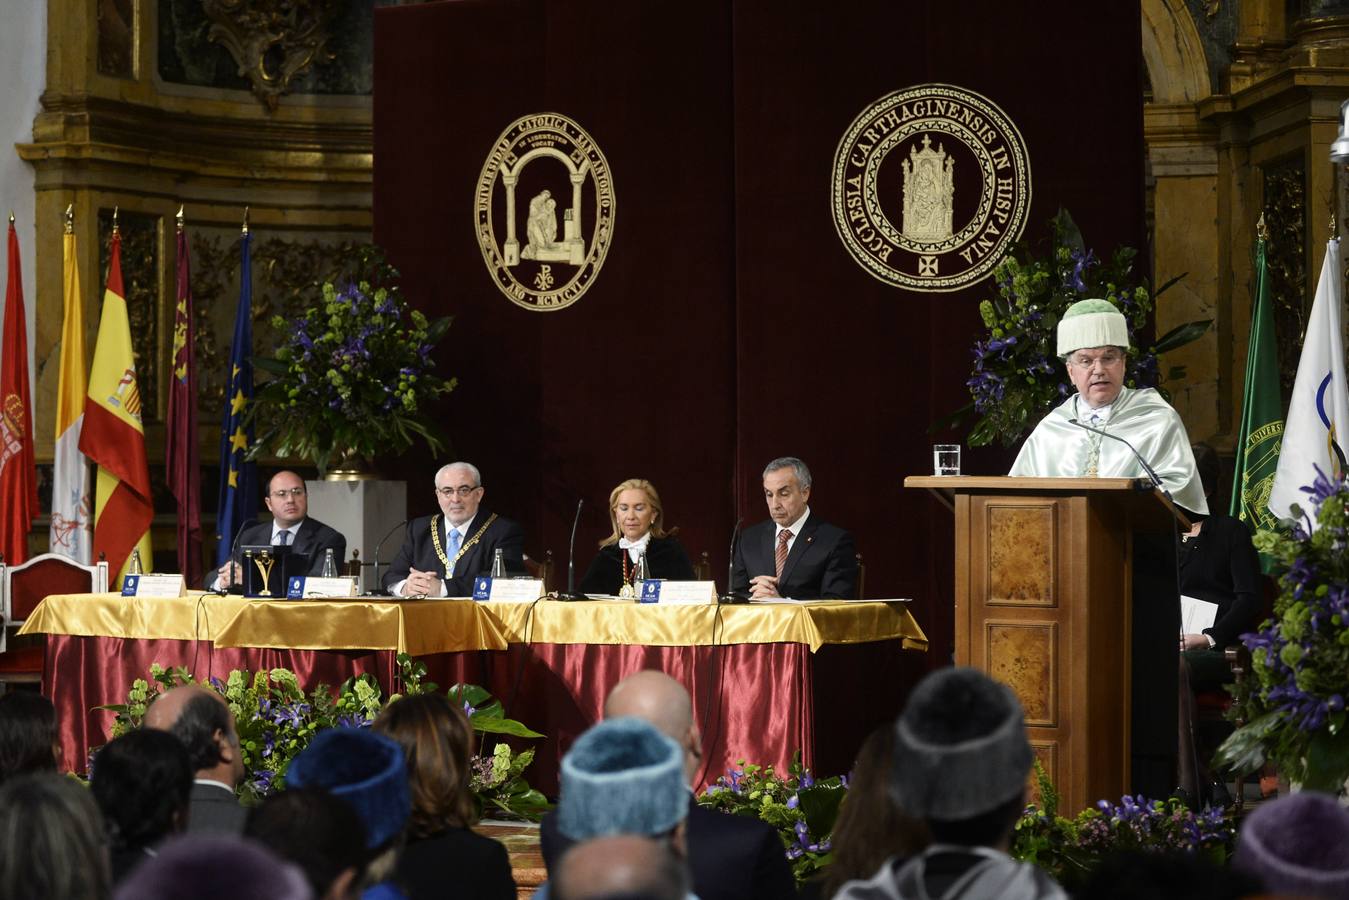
(1066,591)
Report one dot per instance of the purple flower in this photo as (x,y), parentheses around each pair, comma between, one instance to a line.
(793,801)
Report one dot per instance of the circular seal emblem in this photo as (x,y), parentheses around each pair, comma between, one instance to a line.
(931,185)
(544,211)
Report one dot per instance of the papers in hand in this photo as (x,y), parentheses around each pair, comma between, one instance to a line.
(1196,614)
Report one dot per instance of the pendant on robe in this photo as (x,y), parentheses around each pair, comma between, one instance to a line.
(626,592)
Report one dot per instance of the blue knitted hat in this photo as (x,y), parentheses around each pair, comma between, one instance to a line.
(622,777)
(363,768)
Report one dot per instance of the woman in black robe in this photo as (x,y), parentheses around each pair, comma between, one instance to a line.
(638,519)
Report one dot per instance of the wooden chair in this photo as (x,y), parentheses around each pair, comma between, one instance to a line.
(541,570)
(22,588)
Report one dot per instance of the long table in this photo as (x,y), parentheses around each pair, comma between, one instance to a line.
(767,679)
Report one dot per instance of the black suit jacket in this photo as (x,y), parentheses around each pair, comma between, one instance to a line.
(419,552)
(307,552)
(822,564)
(665,558)
(215,810)
(456,863)
(730,857)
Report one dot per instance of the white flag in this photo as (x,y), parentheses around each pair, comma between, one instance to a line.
(72,504)
(1316,431)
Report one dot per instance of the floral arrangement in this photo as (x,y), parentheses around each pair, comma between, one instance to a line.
(1017,375)
(277,719)
(802,808)
(1069,849)
(1294,707)
(354,377)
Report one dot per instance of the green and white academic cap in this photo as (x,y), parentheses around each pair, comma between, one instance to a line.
(1092,323)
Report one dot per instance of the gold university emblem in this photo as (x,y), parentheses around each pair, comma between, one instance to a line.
(931,185)
(545,211)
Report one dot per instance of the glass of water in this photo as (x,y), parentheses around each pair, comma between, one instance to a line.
(945,459)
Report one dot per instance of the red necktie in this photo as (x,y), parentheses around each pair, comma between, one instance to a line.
(784,536)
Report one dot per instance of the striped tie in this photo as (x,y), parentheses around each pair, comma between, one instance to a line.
(781,556)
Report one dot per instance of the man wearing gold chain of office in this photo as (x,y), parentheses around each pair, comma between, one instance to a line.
(1093,341)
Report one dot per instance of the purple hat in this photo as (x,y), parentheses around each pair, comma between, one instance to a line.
(1297,844)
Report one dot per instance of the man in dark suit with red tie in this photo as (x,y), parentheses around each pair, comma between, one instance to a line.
(442,554)
(795,554)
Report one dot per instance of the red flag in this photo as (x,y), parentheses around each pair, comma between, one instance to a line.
(180,454)
(113,436)
(18,471)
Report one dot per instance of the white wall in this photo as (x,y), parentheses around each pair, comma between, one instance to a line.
(23,74)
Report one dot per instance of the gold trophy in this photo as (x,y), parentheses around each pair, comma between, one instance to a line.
(264,560)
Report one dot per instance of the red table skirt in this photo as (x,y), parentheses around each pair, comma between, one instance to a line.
(756,702)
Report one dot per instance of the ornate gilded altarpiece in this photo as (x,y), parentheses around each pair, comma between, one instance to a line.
(214,105)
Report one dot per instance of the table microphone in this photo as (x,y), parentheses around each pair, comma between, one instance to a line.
(570,593)
(379,588)
(223,589)
(1152,474)
(732,595)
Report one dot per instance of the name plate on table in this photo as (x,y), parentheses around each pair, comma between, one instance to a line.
(677,592)
(507,590)
(153,586)
(301,586)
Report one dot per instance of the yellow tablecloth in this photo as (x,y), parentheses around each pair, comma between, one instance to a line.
(422,627)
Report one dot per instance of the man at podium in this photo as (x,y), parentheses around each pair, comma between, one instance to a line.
(1096,431)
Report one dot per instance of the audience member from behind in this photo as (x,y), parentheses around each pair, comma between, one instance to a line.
(142,782)
(202,720)
(623,777)
(28,741)
(621,866)
(961,760)
(730,857)
(317,832)
(871,827)
(1153,875)
(214,867)
(1297,845)
(367,771)
(52,845)
(436,737)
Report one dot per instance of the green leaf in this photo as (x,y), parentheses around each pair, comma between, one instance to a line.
(1327,762)
(271,366)
(1181,335)
(819,806)
(1169,284)
(501,725)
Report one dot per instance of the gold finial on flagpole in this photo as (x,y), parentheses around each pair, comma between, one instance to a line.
(244,230)
(1333,231)
(115,228)
(1261,231)
(70,219)
(179,217)
(11,217)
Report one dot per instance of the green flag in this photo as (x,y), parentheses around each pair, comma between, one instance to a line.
(1257,445)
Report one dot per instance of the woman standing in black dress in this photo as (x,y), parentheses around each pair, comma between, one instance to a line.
(638,520)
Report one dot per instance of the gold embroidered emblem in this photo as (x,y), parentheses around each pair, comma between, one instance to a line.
(540,163)
(931,186)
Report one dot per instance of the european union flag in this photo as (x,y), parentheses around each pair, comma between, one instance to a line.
(238,476)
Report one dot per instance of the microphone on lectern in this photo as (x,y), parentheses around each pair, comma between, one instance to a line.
(570,593)
(732,595)
(1152,474)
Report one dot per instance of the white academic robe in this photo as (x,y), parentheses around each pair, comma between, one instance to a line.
(1059,449)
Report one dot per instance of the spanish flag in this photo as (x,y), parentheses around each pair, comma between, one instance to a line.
(113,437)
(72,531)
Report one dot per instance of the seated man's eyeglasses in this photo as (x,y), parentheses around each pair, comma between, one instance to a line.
(1109,359)
(291,492)
(463,490)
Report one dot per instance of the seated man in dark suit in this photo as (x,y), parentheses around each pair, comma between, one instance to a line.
(202,721)
(308,539)
(730,857)
(795,554)
(442,554)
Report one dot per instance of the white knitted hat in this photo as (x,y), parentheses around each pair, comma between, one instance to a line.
(1092,323)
